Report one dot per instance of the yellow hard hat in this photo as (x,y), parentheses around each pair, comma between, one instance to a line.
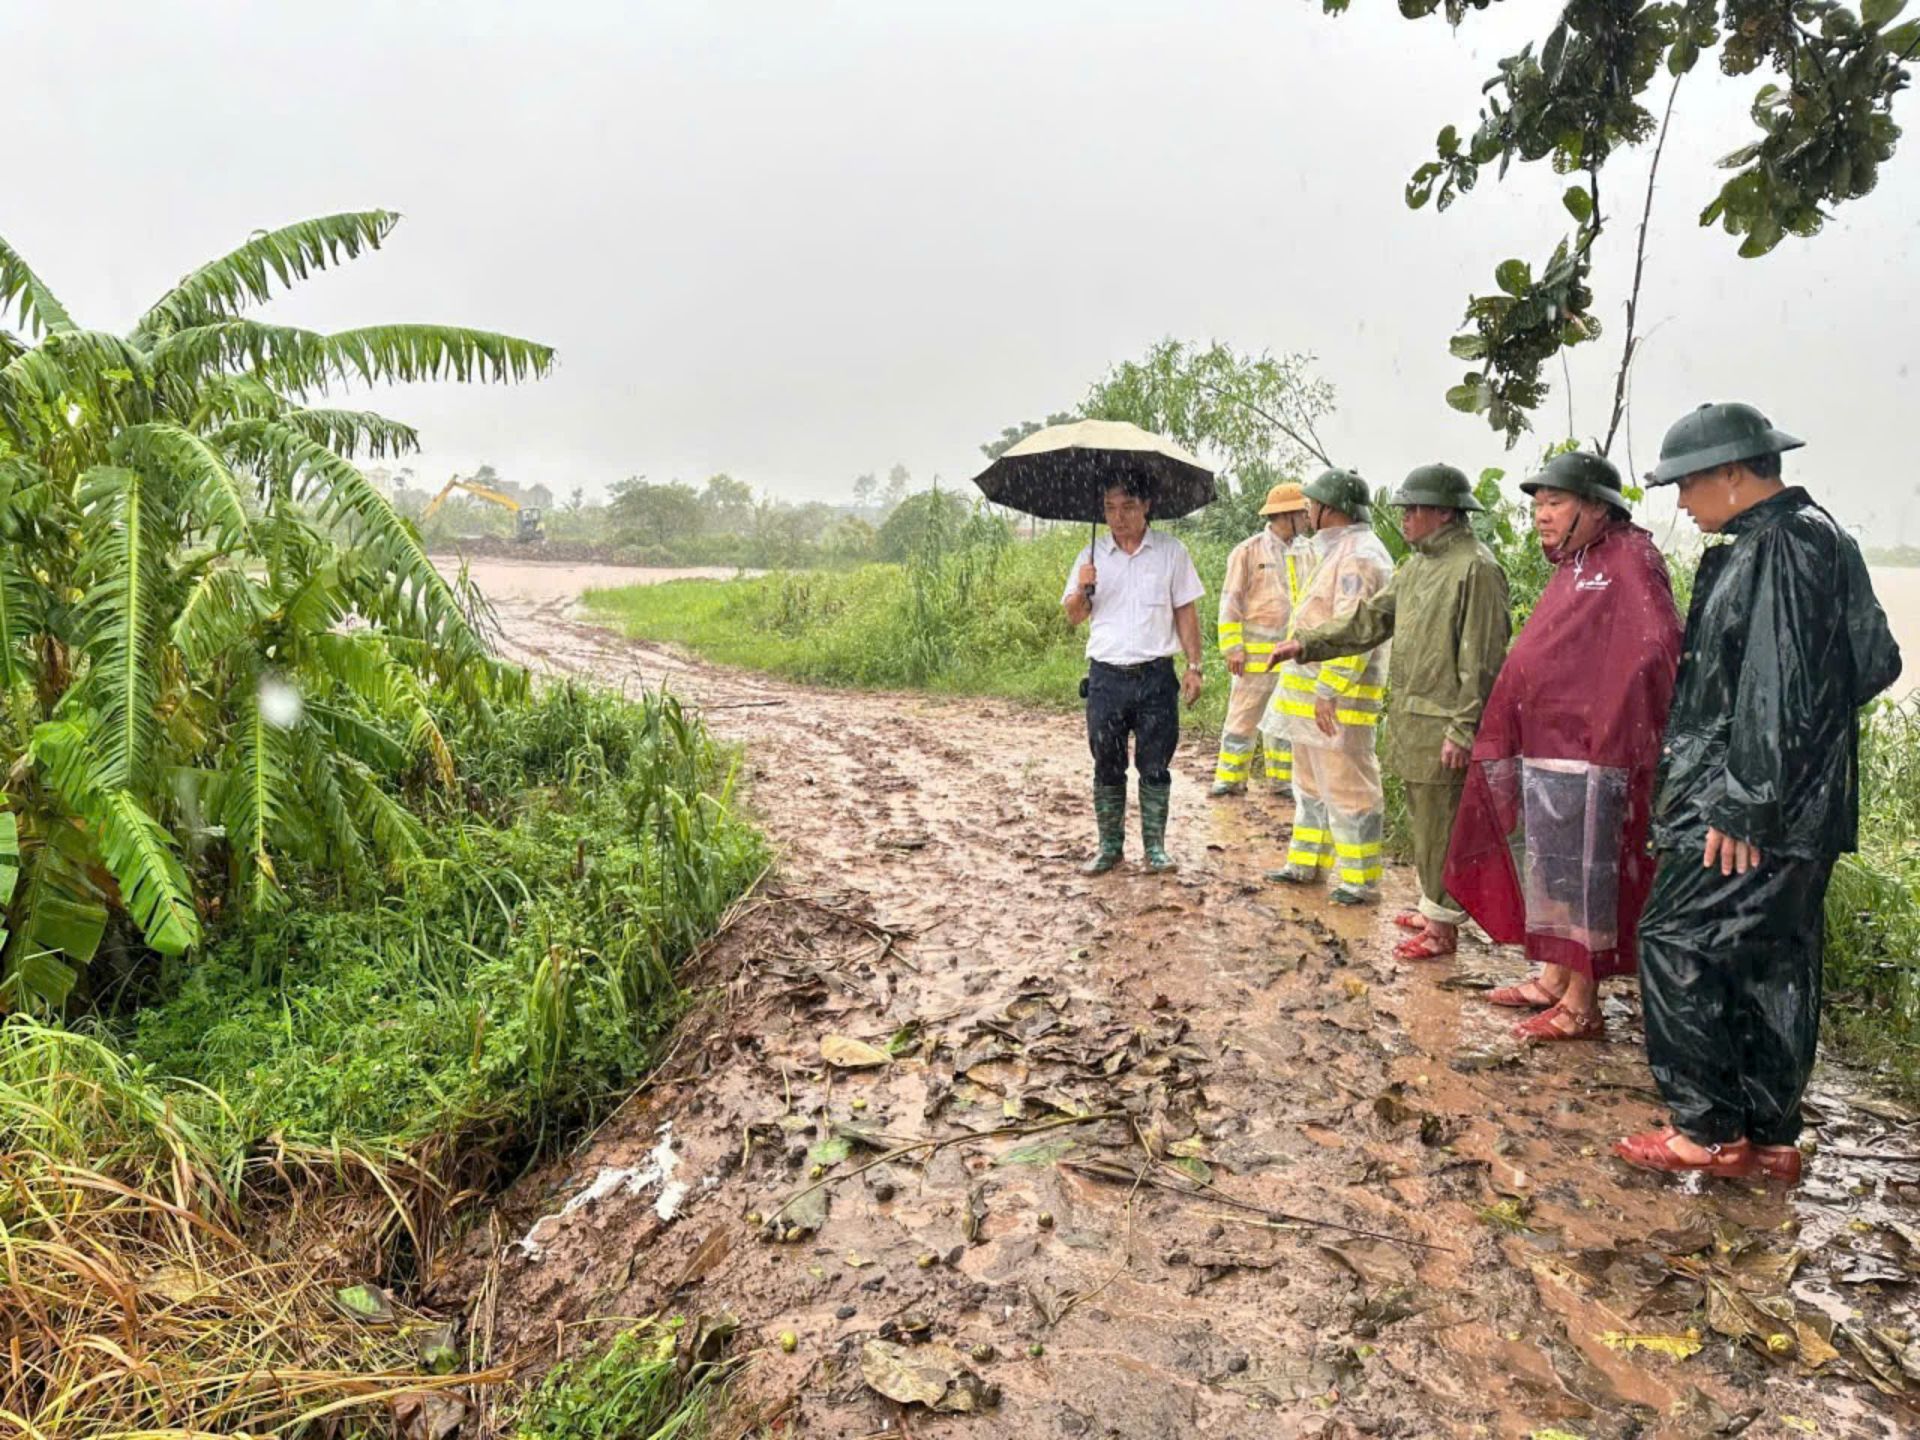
(1284,500)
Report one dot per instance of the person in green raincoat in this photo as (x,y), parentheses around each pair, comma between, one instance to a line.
(1446,611)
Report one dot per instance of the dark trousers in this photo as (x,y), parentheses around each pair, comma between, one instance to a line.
(1730,983)
(1138,701)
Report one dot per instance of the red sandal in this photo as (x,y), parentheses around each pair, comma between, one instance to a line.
(1515,997)
(1423,947)
(1410,920)
(1546,1026)
(1653,1150)
(1782,1163)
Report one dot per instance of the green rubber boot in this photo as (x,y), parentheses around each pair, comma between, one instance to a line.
(1154,800)
(1110,814)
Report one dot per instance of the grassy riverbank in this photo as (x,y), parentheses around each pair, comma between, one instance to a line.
(243,1164)
(981,617)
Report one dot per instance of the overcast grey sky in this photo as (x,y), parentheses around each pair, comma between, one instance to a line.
(796,240)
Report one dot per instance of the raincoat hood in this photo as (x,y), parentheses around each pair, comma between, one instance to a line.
(1612,526)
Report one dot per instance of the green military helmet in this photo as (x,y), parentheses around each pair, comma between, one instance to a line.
(1343,490)
(1716,435)
(1441,485)
(1579,473)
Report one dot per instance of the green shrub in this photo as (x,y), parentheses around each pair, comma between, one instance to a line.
(1873,907)
(512,980)
(633,1388)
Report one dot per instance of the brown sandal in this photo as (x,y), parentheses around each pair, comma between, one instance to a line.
(1653,1150)
(1546,1025)
(1516,997)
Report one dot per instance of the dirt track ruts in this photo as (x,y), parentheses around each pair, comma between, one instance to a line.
(1250,1038)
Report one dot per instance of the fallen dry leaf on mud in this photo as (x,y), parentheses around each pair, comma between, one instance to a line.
(1680,1347)
(931,1375)
(799,1217)
(976,1212)
(845,1053)
(1374,1261)
(428,1415)
(1872,1361)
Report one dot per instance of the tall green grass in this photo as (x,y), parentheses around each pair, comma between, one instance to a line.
(507,985)
(976,612)
(1873,907)
(186,1185)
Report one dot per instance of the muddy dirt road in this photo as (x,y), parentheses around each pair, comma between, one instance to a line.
(1106,1096)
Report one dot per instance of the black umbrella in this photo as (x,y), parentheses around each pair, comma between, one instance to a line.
(1065,471)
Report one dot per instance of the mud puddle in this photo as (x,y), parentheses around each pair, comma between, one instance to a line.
(1157,1156)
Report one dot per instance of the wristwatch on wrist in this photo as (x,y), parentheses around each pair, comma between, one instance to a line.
(1193,669)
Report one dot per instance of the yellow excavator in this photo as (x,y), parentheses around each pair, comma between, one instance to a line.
(527,529)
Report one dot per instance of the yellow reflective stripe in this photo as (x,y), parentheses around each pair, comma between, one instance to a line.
(1293,586)
(1336,682)
(1295,707)
(1279,757)
(1353,663)
(1357,852)
(1231,773)
(1293,680)
(1319,836)
(1307,860)
(1368,692)
(1230,633)
(1360,877)
(1357,717)
(1259,667)
(1259,647)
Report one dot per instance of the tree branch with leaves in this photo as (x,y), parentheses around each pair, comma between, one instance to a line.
(1826,127)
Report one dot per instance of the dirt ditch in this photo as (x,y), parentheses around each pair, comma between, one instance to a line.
(1159,1156)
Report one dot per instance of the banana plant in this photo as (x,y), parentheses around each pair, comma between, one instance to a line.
(217,638)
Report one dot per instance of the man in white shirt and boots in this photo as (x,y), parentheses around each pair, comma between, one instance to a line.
(1138,588)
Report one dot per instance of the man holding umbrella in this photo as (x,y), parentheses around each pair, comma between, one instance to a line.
(1135,589)
(1446,612)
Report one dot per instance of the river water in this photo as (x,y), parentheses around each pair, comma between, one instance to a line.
(1899,592)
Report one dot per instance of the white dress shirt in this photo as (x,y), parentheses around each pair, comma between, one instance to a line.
(1135,596)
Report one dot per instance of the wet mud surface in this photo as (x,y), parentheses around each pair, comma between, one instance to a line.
(1076,1196)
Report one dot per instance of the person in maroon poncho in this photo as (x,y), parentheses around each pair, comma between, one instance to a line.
(1550,847)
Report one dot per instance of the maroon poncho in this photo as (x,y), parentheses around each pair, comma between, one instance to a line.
(1550,847)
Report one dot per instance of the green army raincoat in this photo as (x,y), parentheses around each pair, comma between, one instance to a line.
(1446,611)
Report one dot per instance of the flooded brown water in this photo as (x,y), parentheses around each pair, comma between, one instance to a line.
(538,582)
(1899,592)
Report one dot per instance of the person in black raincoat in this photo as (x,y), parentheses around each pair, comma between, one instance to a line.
(1757,795)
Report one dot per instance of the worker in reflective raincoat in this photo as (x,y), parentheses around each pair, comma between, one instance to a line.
(1446,613)
(1256,605)
(1758,795)
(1328,712)
(1550,849)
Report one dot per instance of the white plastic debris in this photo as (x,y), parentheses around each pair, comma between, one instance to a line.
(613,1180)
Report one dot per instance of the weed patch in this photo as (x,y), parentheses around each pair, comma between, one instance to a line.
(975,612)
(514,979)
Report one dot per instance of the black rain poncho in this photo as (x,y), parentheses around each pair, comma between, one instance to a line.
(1784,643)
